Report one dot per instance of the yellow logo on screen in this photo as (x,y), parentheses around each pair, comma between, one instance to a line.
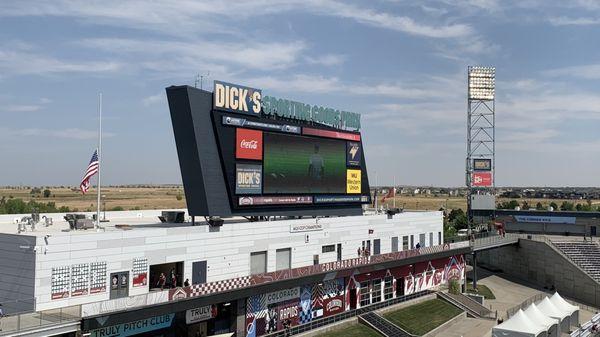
(353,181)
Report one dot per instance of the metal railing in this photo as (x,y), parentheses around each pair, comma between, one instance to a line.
(320,322)
(525,304)
(12,323)
(383,326)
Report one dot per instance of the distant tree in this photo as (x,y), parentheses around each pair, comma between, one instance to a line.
(567,206)
(35,190)
(178,196)
(554,206)
(539,206)
(525,205)
(47,193)
(117,208)
(508,204)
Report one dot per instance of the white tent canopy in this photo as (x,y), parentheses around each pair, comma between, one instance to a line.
(563,305)
(537,316)
(549,309)
(518,325)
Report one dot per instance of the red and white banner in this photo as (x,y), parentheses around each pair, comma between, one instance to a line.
(481,179)
(249,144)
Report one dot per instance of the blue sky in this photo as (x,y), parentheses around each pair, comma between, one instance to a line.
(401,64)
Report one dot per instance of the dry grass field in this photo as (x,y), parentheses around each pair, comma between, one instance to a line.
(130,198)
(125,197)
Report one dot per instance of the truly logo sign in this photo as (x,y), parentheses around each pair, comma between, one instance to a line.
(249,144)
(237,98)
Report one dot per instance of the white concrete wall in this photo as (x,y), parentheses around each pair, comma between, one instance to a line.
(227,251)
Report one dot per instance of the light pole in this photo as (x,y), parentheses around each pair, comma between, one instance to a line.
(104,207)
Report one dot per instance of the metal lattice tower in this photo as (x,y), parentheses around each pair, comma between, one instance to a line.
(481,132)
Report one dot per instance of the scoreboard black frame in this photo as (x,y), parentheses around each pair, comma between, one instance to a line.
(211,157)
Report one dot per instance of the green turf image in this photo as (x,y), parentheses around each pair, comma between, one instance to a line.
(296,164)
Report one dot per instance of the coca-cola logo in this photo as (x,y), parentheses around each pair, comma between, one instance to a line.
(249,144)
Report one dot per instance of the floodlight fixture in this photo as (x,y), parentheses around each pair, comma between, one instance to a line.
(482,83)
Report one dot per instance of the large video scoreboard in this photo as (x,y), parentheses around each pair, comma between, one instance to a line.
(244,154)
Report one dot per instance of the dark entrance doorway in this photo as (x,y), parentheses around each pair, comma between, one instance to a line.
(593,230)
(400,287)
(339,252)
(172,273)
(352,299)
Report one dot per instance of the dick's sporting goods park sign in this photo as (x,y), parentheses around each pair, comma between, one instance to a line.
(245,100)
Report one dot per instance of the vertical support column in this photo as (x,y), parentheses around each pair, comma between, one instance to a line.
(240,326)
(474,270)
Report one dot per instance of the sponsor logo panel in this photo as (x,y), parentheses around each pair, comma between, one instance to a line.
(200,314)
(481,179)
(248,179)
(353,153)
(279,200)
(353,181)
(331,134)
(332,199)
(237,98)
(333,305)
(242,122)
(482,164)
(249,144)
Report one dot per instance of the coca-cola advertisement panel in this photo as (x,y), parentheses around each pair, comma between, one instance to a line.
(248,179)
(249,144)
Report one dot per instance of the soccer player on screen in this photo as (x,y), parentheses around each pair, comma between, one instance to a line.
(316,167)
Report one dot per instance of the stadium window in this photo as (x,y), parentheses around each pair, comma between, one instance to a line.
(258,263)
(439,238)
(394,244)
(376,292)
(422,239)
(405,243)
(412,242)
(365,294)
(388,290)
(430,239)
(283,259)
(328,249)
(316,259)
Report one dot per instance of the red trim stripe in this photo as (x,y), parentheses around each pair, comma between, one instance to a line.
(331,134)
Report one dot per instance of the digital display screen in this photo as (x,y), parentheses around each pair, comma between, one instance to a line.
(482,164)
(297,164)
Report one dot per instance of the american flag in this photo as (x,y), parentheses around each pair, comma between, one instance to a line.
(89,173)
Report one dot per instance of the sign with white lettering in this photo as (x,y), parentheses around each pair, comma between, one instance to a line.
(546,219)
(135,327)
(237,98)
(283,295)
(200,314)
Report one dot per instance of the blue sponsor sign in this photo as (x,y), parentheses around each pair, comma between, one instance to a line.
(237,98)
(135,327)
(545,219)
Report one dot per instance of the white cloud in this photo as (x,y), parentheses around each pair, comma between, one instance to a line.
(17,61)
(569,21)
(590,72)
(326,60)
(20,108)
(70,133)
(153,99)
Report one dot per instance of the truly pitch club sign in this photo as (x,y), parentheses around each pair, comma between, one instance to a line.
(249,144)
(237,98)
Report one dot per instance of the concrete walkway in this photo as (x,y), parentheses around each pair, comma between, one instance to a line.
(508,294)
(468,327)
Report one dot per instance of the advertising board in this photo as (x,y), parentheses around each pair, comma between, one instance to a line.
(295,164)
(278,200)
(248,144)
(353,181)
(481,179)
(353,153)
(482,164)
(248,179)
(200,314)
(237,98)
(546,219)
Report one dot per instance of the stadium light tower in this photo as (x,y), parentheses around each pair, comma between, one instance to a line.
(481,145)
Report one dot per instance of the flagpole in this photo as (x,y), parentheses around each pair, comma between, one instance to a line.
(99,156)
(376,209)
(394,189)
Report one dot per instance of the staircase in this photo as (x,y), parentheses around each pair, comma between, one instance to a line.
(382,325)
(472,308)
(584,254)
